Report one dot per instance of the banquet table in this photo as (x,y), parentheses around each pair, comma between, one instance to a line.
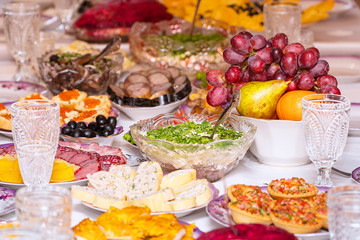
(331,37)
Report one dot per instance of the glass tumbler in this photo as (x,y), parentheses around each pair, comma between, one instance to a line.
(48,206)
(326,120)
(35,130)
(283,17)
(344,212)
(21,28)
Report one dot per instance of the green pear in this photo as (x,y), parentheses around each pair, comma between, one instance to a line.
(259,99)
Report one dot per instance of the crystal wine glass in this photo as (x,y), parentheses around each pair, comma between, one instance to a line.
(35,129)
(65,10)
(326,120)
(21,28)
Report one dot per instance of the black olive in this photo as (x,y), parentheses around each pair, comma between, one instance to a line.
(109,128)
(105,133)
(92,126)
(67,130)
(81,125)
(101,119)
(100,127)
(88,133)
(112,121)
(72,124)
(77,133)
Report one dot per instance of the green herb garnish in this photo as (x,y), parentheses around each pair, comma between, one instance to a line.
(190,132)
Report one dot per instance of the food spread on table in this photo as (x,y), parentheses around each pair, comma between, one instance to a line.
(171,62)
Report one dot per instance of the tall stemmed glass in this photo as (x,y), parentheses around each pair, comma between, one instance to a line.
(65,10)
(35,130)
(21,28)
(326,120)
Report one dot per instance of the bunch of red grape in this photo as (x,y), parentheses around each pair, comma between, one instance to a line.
(253,58)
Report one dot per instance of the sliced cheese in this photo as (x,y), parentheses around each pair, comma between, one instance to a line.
(183,203)
(109,183)
(151,167)
(84,193)
(157,201)
(123,171)
(103,201)
(199,189)
(143,183)
(178,178)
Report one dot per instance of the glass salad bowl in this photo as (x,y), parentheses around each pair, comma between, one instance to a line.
(168,43)
(211,161)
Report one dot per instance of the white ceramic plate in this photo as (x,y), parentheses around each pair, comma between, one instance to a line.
(81,182)
(12,91)
(178,214)
(345,68)
(141,113)
(340,6)
(217,211)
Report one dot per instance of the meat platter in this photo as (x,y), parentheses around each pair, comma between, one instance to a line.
(89,157)
(145,86)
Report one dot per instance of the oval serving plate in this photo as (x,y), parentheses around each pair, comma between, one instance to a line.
(355,175)
(178,214)
(7,200)
(217,210)
(345,68)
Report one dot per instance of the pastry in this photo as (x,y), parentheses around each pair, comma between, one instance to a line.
(291,188)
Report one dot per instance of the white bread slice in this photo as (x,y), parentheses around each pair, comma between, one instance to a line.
(179,204)
(198,188)
(157,202)
(143,183)
(151,167)
(124,171)
(109,183)
(84,193)
(178,178)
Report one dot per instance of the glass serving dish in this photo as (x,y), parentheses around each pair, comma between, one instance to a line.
(211,161)
(168,43)
(66,71)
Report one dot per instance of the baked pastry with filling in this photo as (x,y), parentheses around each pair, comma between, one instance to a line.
(291,188)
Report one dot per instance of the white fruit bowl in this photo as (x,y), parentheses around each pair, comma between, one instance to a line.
(279,142)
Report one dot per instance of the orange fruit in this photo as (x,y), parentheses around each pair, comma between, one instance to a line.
(289,105)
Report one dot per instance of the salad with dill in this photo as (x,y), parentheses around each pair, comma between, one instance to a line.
(189,133)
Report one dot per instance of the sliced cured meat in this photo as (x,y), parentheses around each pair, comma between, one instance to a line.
(106,150)
(107,160)
(67,155)
(175,72)
(179,83)
(87,162)
(160,70)
(74,145)
(93,147)
(158,78)
(135,78)
(2,151)
(88,169)
(160,89)
(10,150)
(78,158)
(139,90)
